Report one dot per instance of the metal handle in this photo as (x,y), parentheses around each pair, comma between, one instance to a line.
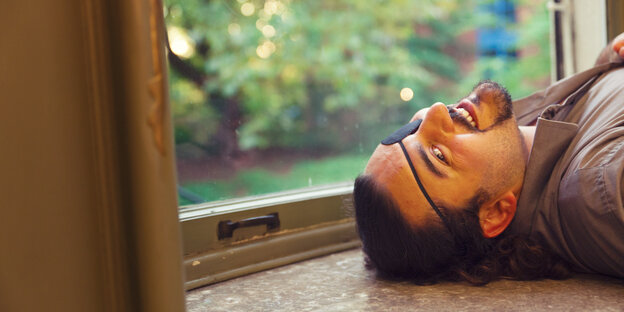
(227,227)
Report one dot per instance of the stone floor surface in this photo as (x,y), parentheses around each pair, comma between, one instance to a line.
(339,282)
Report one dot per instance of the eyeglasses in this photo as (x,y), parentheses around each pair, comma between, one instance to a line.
(397,137)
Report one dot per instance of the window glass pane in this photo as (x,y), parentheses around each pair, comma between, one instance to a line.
(272,95)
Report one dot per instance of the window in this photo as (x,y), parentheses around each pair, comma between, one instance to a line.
(278,95)
(293,96)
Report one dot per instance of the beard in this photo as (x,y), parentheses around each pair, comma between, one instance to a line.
(507,140)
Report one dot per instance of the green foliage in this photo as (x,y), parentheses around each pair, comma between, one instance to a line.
(194,121)
(336,63)
(261,181)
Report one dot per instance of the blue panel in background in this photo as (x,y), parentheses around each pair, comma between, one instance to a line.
(497,40)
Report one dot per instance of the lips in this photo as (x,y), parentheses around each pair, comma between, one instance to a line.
(465,107)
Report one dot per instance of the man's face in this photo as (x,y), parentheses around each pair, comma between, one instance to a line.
(455,156)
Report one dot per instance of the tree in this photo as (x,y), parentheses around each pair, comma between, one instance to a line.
(307,74)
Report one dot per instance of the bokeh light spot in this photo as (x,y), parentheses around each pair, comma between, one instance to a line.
(248,9)
(406,94)
(268,31)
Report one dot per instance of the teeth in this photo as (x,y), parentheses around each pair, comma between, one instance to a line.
(467,116)
(463,112)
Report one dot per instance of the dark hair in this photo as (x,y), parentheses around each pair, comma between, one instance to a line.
(427,254)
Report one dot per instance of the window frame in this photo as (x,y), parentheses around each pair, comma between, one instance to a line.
(580,29)
(314,221)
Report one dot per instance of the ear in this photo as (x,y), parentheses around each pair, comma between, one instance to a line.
(494,217)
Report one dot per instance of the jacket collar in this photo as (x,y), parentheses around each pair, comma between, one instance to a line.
(551,141)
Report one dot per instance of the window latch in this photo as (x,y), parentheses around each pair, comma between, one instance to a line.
(226,228)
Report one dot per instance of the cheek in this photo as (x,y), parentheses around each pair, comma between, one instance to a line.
(470,153)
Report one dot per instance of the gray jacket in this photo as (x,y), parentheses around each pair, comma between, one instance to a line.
(574,185)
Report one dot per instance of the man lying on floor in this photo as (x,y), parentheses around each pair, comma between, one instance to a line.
(486,189)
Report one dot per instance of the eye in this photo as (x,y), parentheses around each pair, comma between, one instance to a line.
(438,153)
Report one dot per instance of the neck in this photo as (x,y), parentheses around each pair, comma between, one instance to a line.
(528,134)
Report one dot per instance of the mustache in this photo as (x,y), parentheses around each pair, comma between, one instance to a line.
(459,118)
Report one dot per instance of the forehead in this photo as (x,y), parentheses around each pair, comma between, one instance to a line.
(390,169)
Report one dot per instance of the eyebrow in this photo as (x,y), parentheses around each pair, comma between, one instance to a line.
(428,163)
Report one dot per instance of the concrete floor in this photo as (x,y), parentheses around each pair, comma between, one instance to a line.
(339,282)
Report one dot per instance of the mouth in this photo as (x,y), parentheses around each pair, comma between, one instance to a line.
(466,109)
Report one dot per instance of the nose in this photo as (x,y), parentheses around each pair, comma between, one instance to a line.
(437,121)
